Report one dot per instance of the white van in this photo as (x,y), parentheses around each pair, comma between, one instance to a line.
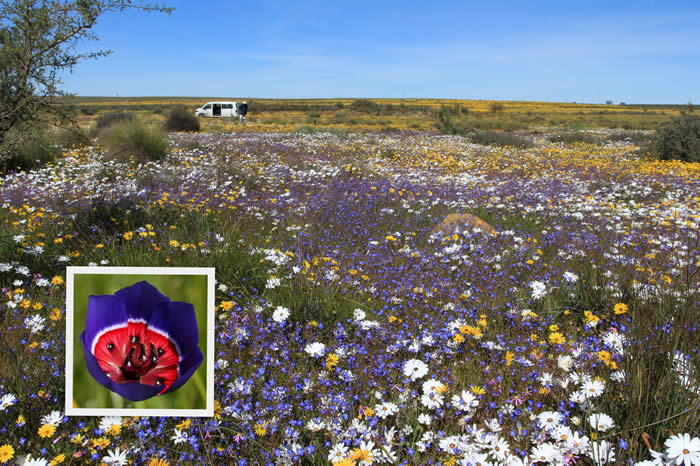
(217,109)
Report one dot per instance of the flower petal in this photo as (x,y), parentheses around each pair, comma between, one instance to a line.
(141,299)
(104,313)
(94,367)
(135,391)
(187,368)
(179,322)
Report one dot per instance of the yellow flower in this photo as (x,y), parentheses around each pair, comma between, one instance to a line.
(331,361)
(361,455)
(227,305)
(183,425)
(57,280)
(344,462)
(128,235)
(114,429)
(261,428)
(6,453)
(606,357)
(77,439)
(390,238)
(620,308)
(509,357)
(102,442)
(20,420)
(58,459)
(590,318)
(158,462)
(556,338)
(477,390)
(173,243)
(55,314)
(217,410)
(100,246)
(47,430)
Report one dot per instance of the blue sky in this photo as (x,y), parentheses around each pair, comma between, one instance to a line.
(584,51)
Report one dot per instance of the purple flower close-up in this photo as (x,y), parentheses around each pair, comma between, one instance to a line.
(138,343)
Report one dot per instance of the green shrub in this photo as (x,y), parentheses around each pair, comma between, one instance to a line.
(109,118)
(496,107)
(30,154)
(495,138)
(364,106)
(134,139)
(638,138)
(445,123)
(71,138)
(574,137)
(305,129)
(679,139)
(181,119)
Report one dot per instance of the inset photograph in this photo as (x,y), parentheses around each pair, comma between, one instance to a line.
(140,341)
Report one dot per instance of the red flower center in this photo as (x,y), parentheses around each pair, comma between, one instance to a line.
(136,353)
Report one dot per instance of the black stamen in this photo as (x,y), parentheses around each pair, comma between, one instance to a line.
(110,346)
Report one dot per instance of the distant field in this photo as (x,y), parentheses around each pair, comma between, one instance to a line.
(276,115)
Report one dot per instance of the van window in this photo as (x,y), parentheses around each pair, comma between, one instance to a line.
(206,107)
(229,106)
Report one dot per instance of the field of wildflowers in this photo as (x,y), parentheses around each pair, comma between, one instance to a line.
(348,332)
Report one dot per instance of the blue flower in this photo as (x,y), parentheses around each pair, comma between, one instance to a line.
(138,343)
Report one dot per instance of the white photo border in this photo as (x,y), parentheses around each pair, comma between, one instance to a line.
(209,272)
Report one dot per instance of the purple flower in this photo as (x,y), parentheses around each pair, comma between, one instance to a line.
(138,343)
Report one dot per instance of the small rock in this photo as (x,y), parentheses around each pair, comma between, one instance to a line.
(462,221)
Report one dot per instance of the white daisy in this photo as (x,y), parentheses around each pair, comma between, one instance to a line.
(315,349)
(593,388)
(499,448)
(179,436)
(601,421)
(108,421)
(29,461)
(465,401)
(450,444)
(432,400)
(603,452)
(415,369)
(280,314)
(546,452)
(537,289)
(549,419)
(384,410)
(54,418)
(35,323)
(115,457)
(682,448)
(564,362)
(7,400)
(338,452)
